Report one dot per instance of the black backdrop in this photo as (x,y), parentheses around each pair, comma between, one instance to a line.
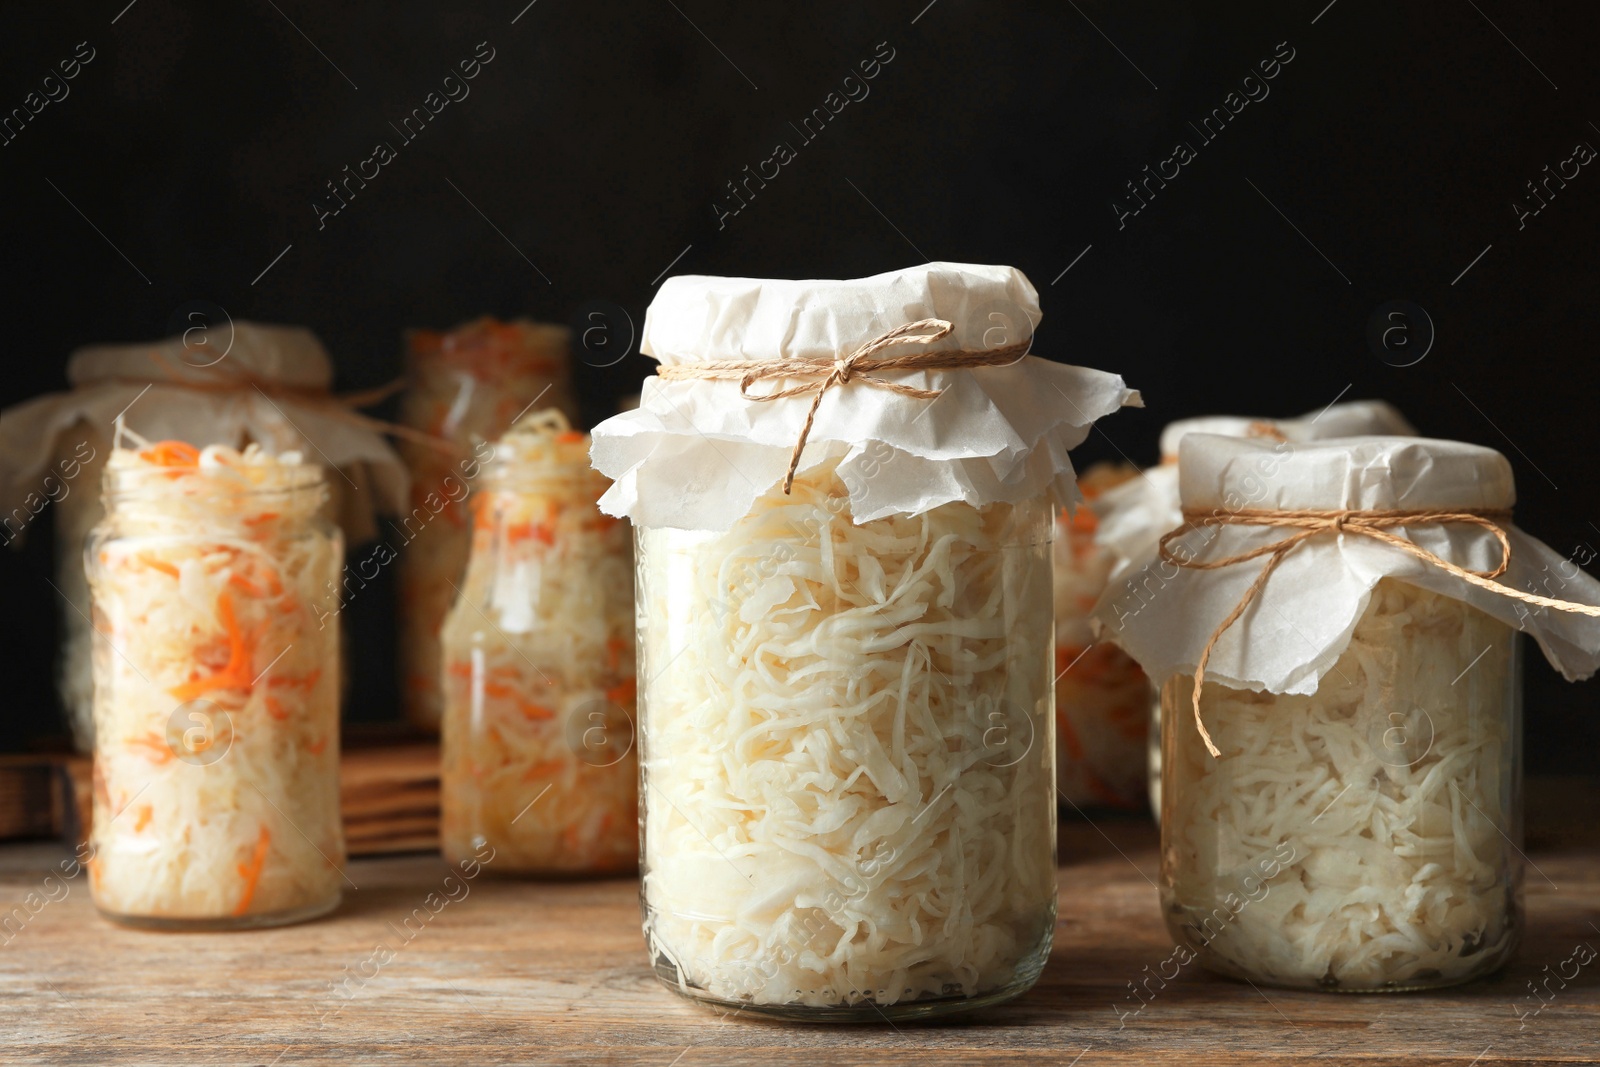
(595,147)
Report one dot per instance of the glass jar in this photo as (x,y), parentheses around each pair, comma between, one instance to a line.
(1101,693)
(216,690)
(1364,838)
(848,756)
(83,454)
(466,386)
(538,730)
(1153,750)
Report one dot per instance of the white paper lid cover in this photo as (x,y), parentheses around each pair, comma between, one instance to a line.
(1356,473)
(1134,515)
(697,454)
(287,355)
(1302,618)
(696,317)
(1349,419)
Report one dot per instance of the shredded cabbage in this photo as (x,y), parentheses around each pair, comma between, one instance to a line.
(539,667)
(1102,695)
(467,385)
(216,793)
(1394,788)
(847,752)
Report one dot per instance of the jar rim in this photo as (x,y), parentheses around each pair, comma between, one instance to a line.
(199,483)
(511,471)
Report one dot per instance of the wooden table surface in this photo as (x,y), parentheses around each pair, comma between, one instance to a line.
(517,972)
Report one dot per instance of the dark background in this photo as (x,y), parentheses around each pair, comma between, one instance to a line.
(601,133)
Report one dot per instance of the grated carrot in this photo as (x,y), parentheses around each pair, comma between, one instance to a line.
(536,712)
(543,769)
(171,454)
(251,871)
(159,565)
(236,675)
(308,683)
(237,579)
(153,748)
(535,531)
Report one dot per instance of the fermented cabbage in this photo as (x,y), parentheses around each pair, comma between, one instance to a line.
(848,752)
(539,677)
(1393,790)
(467,386)
(1102,697)
(216,794)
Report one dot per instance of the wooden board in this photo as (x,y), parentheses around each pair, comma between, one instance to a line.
(520,972)
(30,800)
(389,797)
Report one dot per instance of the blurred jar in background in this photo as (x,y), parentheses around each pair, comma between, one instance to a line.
(1102,697)
(466,385)
(538,731)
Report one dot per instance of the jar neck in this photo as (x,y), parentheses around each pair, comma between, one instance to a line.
(171,497)
(544,478)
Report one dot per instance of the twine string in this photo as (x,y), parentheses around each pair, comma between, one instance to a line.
(861,365)
(238,379)
(1375,524)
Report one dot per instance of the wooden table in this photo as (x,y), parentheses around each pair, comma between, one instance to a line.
(517,972)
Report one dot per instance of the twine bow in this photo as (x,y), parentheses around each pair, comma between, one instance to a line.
(1374,524)
(858,366)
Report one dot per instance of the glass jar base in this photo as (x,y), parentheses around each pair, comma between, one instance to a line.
(225,922)
(505,863)
(866,1011)
(1413,985)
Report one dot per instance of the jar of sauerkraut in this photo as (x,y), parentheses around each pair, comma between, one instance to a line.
(1341,807)
(847,747)
(1362,838)
(538,731)
(1133,514)
(467,386)
(216,690)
